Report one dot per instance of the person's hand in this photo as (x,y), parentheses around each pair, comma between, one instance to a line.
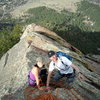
(47,89)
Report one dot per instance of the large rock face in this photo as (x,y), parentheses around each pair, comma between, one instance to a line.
(36,41)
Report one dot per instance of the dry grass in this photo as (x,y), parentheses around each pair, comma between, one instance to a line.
(70,5)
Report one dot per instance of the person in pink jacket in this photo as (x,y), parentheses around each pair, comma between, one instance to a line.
(34,74)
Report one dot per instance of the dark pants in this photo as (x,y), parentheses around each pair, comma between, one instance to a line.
(43,75)
(69,77)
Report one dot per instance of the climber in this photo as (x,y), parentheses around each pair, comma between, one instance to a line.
(65,68)
(35,74)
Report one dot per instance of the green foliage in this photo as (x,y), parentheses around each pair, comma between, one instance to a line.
(46,17)
(15,34)
(8,38)
(69,26)
(92,11)
(87,42)
(8,19)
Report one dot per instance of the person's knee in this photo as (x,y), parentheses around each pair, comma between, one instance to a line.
(56,78)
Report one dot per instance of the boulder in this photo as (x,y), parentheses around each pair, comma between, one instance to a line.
(37,41)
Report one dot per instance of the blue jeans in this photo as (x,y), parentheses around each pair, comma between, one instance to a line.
(69,77)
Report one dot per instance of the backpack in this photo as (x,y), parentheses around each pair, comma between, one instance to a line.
(60,53)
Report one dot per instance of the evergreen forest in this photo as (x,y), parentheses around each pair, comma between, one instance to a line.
(81,29)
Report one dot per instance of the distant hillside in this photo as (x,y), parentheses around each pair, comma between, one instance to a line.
(18,8)
(95,1)
(81,28)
